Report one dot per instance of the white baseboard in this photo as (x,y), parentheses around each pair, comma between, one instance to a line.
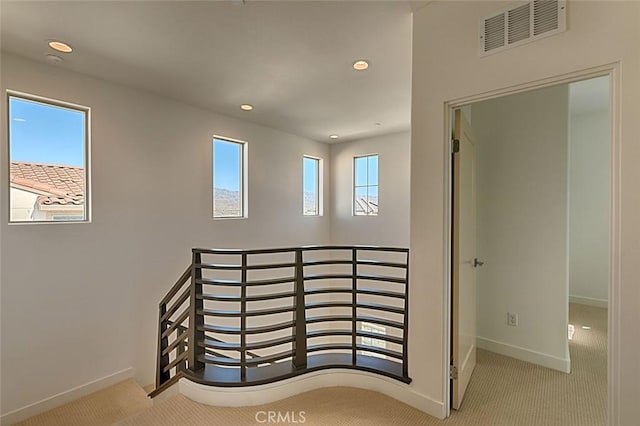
(264,394)
(523,354)
(589,301)
(65,397)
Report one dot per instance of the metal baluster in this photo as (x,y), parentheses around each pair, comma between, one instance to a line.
(196,319)
(354,303)
(243,320)
(300,321)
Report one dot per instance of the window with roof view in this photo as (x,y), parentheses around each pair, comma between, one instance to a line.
(48,151)
(312,184)
(365,185)
(229,183)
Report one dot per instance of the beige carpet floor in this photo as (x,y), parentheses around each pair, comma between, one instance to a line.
(104,407)
(503,391)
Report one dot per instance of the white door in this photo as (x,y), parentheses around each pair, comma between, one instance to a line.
(464,260)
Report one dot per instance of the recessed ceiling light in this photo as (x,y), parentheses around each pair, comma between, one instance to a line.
(54,59)
(334,136)
(360,65)
(586,327)
(60,46)
(246,107)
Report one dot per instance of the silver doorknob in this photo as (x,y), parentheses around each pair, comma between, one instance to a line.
(477,263)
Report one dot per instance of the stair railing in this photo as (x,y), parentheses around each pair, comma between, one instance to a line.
(173,329)
(226,347)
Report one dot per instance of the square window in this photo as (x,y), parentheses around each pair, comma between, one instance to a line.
(229,183)
(48,158)
(365,185)
(312,186)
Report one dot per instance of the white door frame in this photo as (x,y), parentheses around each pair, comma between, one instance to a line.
(613,71)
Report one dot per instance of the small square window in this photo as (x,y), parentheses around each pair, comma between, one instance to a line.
(312,186)
(365,185)
(229,182)
(48,157)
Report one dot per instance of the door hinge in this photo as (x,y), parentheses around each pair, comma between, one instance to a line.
(453,372)
(455,146)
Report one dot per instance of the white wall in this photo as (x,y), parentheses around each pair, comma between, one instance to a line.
(589,207)
(452,70)
(522,159)
(391,226)
(22,203)
(79,301)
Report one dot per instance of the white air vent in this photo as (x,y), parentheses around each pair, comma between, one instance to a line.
(521,24)
(518,23)
(494,33)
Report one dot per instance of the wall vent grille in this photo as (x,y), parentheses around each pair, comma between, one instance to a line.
(518,23)
(545,16)
(494,32)
(521,24)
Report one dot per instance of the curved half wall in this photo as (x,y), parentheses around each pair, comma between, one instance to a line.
(264,394)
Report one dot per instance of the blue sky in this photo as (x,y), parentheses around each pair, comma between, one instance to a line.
(310,170)
(42,133)
(226,164)
(366,172)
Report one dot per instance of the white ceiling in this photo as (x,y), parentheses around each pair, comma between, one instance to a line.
(290,59)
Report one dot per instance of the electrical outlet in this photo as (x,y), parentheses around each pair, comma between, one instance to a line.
(512,319)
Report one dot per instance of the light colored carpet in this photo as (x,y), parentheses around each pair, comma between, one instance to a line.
(503,391)
(331,406)
(104,407)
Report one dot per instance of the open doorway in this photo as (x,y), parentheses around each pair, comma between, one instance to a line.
(537,265)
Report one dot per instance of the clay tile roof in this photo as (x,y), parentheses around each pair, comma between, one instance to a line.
(62,184)
(66,200)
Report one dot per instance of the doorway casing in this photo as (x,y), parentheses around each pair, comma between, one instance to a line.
(613,71)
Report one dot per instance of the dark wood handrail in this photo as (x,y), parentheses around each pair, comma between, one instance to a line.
(190,324)
(177,286)
(303,248)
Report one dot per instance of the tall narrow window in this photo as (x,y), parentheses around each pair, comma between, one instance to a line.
(48,152)
(312,186)
(365,185)
(229,189)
